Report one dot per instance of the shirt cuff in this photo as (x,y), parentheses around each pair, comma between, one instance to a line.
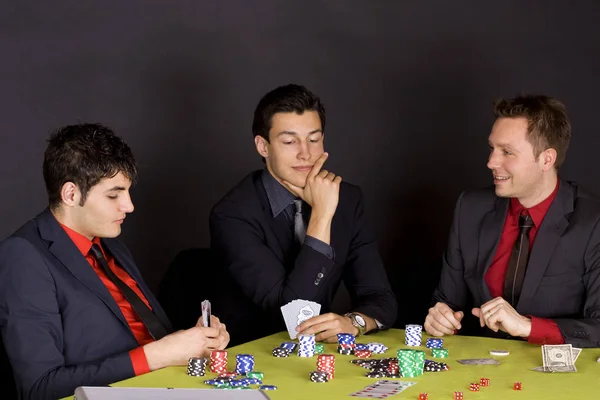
(139,361)
(319,246)
(545,331)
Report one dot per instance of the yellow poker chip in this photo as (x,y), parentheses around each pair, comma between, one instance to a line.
(499,352)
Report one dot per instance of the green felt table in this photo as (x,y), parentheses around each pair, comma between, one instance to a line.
(290,374)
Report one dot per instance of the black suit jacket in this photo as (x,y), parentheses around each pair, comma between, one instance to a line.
(60,325)
(562,281)
(270,269)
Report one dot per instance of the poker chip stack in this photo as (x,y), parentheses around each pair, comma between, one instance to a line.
(306,347)
(393,369)
(218,361)
(281,352)
(346,343)
(319,348)
(197,366)
(244,363)
(318,376)
(411,362)
(326,363)
(439,353)
(413,335)
(434,343)
(377,348)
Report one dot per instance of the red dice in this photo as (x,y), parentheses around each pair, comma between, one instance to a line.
(518,386)
(484,382)
(474,387)
(458,395)
(423,396)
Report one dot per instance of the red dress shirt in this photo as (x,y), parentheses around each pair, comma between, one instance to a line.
(137,355)
(543,331)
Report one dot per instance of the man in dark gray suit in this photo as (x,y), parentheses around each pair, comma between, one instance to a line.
(525,254)
(294,231)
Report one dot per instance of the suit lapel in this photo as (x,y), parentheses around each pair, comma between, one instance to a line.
(280,224)
(554,224)
(65,251)
(489,237)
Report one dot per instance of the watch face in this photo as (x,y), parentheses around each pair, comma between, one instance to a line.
(360,320)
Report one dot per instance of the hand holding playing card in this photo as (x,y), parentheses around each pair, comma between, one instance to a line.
(326,327)
(297,311)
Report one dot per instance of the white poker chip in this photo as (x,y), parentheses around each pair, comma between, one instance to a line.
(499,352)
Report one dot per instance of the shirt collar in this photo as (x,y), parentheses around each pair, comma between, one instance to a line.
(279,197)
(537,212)
(83,244)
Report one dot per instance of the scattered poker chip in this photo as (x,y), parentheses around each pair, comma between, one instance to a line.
(318,376)
(362,353)
(267,387)
(434,343)
(434,366)
(230,375)
(439,353)
(255,375)
(377,348)
(288,345)
(361,346)
(281,352)
(499,352)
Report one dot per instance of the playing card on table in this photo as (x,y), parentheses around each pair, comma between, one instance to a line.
(297,311)
(479,361)
(383,389)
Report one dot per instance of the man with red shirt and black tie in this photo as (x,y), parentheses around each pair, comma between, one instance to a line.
(525,254)
(74,309)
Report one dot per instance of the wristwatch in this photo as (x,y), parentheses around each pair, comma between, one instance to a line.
(358,321)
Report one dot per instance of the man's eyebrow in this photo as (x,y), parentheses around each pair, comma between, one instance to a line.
(295,133)
(115,188)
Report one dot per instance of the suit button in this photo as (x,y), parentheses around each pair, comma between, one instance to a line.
(320,275)
(323,270)
(317,282)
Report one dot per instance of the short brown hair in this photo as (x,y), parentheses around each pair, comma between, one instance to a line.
(547,121)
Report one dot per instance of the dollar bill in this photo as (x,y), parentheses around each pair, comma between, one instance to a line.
(558,358)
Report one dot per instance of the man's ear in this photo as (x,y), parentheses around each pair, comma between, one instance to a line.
(70,194)
(548,159)
(262,146)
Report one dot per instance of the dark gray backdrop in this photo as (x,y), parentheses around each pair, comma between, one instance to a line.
(408,87)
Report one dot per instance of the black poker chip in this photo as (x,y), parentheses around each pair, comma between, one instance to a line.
(281,352)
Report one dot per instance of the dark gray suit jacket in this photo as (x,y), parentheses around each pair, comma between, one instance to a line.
(562,281)
(260,255)
(60,325)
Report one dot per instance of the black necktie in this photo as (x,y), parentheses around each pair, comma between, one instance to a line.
(155,327)
(517,264)
(299,225)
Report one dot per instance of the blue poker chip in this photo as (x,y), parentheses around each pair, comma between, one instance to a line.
(360,346)
(268,387)
(288,345)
